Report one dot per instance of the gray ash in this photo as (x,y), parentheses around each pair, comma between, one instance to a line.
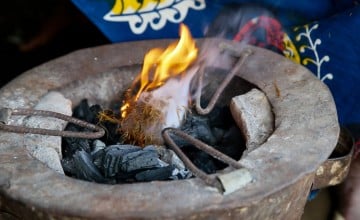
(109,160)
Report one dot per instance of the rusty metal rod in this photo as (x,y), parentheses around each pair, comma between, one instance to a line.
(210,180)
(203,111)
(204,147)
(6,113)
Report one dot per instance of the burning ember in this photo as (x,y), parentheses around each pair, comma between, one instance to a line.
(163,95)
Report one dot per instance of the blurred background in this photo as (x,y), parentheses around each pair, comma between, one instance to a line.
(33,32)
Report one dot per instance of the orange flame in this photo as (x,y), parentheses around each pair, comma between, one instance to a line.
(163,64)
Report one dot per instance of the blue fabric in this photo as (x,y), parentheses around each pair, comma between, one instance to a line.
(323,34)
(288,11)
(339,37)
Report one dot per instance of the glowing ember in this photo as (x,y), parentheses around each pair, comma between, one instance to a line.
(163,96)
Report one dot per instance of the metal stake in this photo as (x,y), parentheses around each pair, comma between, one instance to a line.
(6,113)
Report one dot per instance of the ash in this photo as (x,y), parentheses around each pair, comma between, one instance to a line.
(110,160)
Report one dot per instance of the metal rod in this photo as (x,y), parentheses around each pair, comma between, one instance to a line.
(210,180)
(98,131)
(223,85)
(204,147)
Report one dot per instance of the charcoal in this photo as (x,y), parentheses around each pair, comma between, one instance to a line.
(170,157)
(205,162)
(180,174)
(71,145)
(144,159)
(151,148)
(83,145)
(85,168)
(71,140)
(200,159)
(124,161)
(98,158)
(112,136)
(220,117)
(221,133)
(98,153)
(218,133)
(122,177)
(162,173)
(197,127)
(232,144)
(68,166)
(122,149)
(83,112)
(95,110)
(90,114)
(96,146)
(113,157)
(106,161)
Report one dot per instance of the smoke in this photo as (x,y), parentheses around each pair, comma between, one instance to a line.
(249,24)
(232,18)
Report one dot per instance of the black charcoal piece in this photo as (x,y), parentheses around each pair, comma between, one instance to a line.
(85,168)
(218,133)
(125,177)
(98,158)
(201,159)
(90,114)
(83,112)
(198,127)
(68,166)
(96,146)
(233,143)
(70,140)
(139,160)
(112,136)
(170,157)
(181,174)
(162,173)
(71,145)
(205,162)
(95,110)
(221,117)
(151,148)
(113,158)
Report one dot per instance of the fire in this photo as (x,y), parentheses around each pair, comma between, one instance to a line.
(163,94)
(164,64)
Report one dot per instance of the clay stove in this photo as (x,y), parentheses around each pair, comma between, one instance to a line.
(283,168)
